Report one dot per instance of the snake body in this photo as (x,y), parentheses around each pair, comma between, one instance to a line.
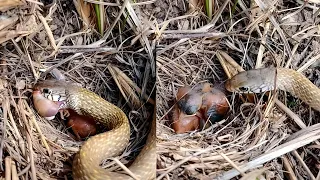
(267,79)
(86,164)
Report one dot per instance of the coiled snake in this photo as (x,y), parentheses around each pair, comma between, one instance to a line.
(86,164)
(267,79)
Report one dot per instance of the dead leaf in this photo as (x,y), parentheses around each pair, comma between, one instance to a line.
(84,10)
(254,175)
(8,4)
(7,22)
(314,1)
(20,84)
(193,5)
(6,35)
(22,29)
(126,90)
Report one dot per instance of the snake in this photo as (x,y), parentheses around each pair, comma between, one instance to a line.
(50,96)
(271,78)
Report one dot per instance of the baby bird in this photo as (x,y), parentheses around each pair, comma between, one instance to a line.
(195,106)
(183,123)
(82,126)
(189,100)
(214,105)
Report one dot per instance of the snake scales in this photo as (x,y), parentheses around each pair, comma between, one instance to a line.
(86,164)
(266,79)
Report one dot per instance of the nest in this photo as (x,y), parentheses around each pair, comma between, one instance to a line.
(258,139)
(53,41)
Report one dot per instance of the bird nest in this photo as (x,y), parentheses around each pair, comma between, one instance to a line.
(268,137)
(50,40)
(265,137)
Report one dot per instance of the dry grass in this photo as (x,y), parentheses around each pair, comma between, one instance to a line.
(257,139)
(42,41)
(59,46)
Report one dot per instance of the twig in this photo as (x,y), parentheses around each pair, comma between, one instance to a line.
(294,49)
(223,64)
(318,176)
(305,137)
(296,154)
(105,37)
(194,35)
(263,42)
(28,136)
(5,106)
(276,25)
(130,82)
(8,168)
(33,119)
(309,63)
(25,170)
(176,165)
(125,168)
(290,114)
(14,171)
(232,164)
(287,165)
(108,50)
(21,142)
(48,30)
(33,167)
(231,61)
(60,63)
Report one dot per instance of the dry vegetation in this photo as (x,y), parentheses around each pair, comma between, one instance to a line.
(257,140)
(58,39)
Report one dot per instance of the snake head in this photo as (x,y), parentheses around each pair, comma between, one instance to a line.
(48,98)
(252,81)
(237,84)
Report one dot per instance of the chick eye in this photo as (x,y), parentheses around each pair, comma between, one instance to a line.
(243,89)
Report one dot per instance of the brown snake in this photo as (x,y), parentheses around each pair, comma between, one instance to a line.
(266,79)
(86,164)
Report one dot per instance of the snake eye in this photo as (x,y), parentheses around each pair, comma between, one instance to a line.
(46,91)
(243,88)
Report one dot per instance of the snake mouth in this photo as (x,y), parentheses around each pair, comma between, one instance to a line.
(56,94)
(231,88)
(45,106)
(240,89)
(228,86)
(243,90)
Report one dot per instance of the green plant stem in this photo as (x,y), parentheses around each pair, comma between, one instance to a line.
(97,10)
(208,4)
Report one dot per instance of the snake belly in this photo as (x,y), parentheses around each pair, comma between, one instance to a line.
(267,79)
(86,164)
